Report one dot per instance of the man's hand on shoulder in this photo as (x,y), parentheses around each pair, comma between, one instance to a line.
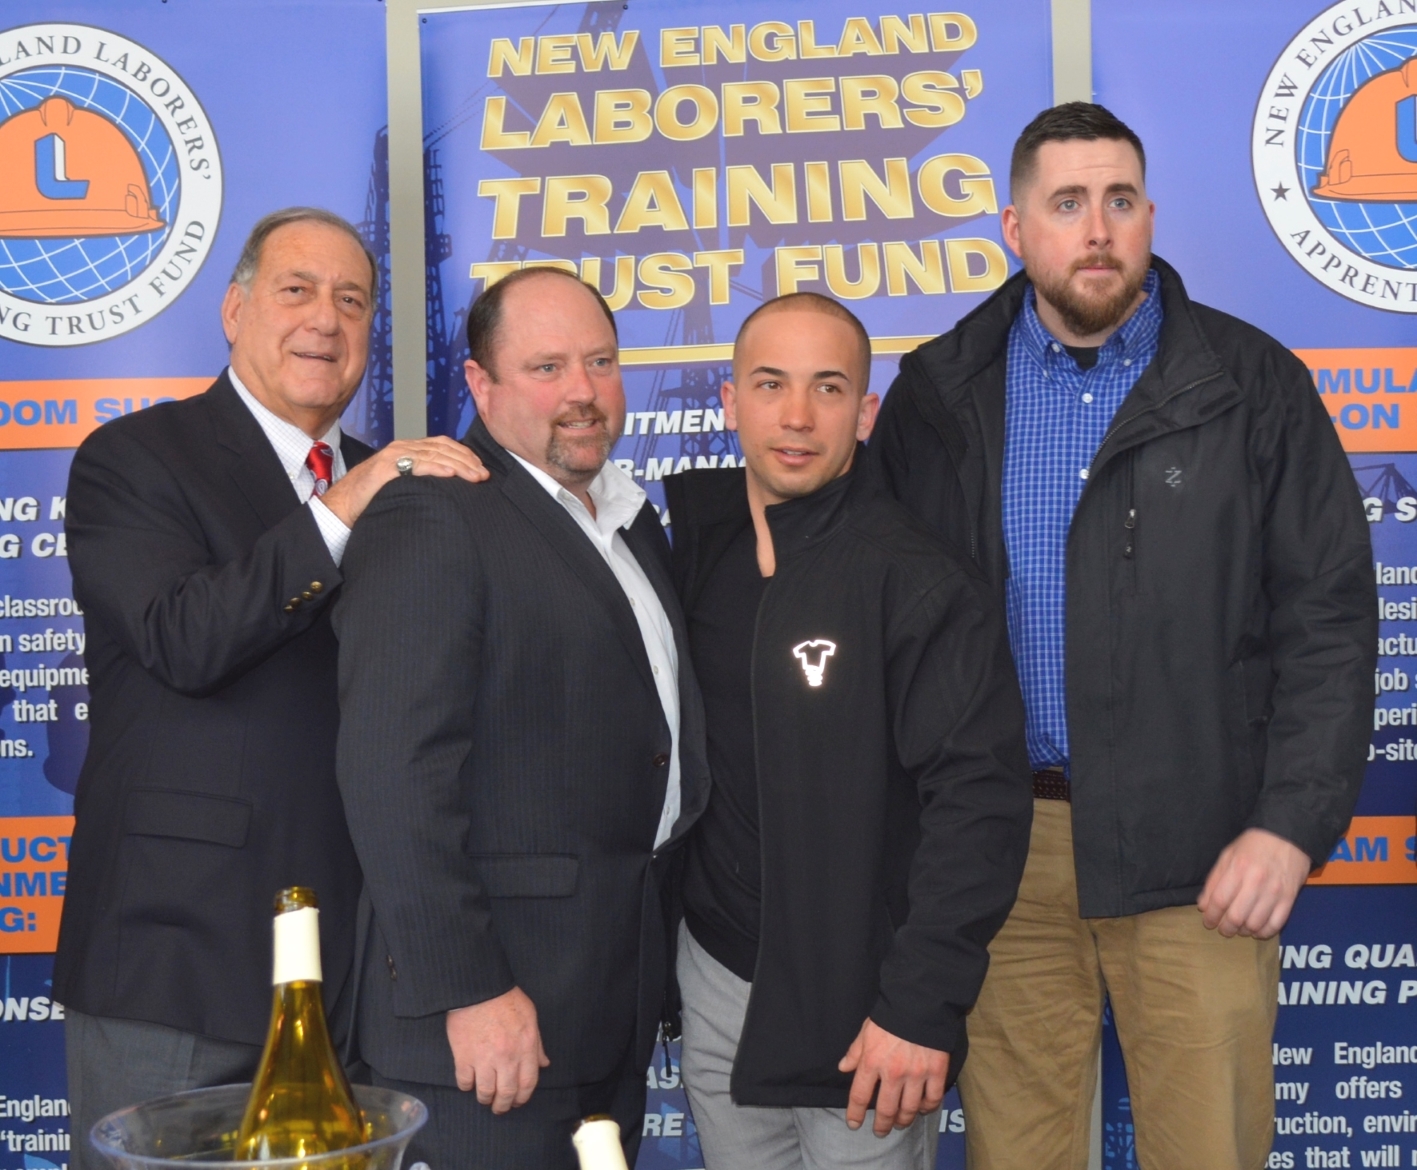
(911,1078)
(1253,884)
(438,455)
(497,1049)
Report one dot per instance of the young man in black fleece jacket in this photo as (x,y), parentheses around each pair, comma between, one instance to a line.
(871,808)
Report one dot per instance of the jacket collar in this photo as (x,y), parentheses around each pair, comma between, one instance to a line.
(250,459)
(1161,399)
(799,525)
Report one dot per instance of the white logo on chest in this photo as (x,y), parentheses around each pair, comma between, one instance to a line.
(813,655)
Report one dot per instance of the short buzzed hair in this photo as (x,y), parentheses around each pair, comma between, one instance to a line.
(810,302)
(1067,122)
(250,259)
(485,316)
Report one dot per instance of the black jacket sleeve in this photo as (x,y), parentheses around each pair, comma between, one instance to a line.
(958,729)
(1317,575)
(145,568)
(410,629)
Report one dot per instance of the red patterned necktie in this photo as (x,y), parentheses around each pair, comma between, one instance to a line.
(321,462)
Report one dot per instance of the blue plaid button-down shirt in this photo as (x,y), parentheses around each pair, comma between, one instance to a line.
(1055,418)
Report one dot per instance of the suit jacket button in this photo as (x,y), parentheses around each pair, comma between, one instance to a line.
(289,609)
(308,596)
(660,760)
(294,604)
(316,586)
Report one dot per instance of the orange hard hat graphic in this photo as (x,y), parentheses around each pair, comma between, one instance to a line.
(1372,155)
(70,172)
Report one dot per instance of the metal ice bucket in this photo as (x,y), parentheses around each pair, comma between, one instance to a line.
(198,1129)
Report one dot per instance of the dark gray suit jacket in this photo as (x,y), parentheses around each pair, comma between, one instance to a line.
(503,757)
(210,777)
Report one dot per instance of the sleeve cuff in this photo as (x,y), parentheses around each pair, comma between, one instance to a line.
(332,528)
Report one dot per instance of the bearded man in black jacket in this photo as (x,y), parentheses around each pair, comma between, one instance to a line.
(1159,496)
(870,811)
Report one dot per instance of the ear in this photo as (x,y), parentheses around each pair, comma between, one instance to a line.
(479,383)
(728,393)
(1009,223)
(231,306)
(866,416)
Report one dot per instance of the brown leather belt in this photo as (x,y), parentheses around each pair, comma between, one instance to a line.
(1051,784)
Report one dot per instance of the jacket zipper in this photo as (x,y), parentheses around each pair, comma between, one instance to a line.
(1112,430)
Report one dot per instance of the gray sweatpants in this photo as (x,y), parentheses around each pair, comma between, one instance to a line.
(748,1137)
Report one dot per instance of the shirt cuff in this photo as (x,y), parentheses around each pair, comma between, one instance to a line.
(332,528)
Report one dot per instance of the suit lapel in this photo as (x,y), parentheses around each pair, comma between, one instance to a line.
(565,536)
(250,460)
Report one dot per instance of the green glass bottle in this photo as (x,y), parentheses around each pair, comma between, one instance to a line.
(301,1104)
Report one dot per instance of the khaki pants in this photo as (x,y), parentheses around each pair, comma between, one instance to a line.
(1194,1012)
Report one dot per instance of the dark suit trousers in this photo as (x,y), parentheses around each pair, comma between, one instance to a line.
(463,1134)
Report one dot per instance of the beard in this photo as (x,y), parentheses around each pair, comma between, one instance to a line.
(1085,311)
(581,457)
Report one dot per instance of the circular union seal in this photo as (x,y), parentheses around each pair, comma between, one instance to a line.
(110,184)
(1334,151)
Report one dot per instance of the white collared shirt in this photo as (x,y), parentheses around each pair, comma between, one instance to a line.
(292,446)
(618,500)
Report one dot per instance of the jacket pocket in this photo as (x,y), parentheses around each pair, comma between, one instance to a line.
(190,816)
(528,875)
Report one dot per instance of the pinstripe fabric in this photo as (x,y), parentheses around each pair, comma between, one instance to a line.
(1055,418)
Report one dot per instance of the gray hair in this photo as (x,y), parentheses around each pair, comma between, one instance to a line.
(250,258)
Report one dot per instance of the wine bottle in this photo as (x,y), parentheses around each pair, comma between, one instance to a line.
(597,1142)
(300,1104)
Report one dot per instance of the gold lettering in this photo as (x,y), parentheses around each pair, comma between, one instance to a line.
(618,297)
(750,101)
(705,197)
(502,55)
(976,189)
(562,120)
(508,195)
(894,33)
(795,265)
(582,197)
(891,194)
(563,265)
(667,275)
(778,202)
(930,88)
(733,47)
(819,192)
(553,53)
(952,32)
(718,264)
(666,112)
(652,202)
(676,47)
(857,36)
(962,279)
(808,106)
(927,273)
(622,115)
(618,54)
(871,94)
(807,41)
(868,260)
(783,46)
(493,136)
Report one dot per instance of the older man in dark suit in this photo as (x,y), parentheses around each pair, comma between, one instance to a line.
(520,752)
(205,539)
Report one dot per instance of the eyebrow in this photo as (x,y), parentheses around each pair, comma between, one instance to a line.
(1081,189)
(783,373)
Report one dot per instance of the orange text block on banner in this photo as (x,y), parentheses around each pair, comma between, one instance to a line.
(34,869)
(1370,395)
(62,413)
(1376,851)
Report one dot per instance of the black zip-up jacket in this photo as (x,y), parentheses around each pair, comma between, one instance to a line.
(894,798)
(1221,616)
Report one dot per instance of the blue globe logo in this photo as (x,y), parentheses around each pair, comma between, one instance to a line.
(1372,224)
(105,250)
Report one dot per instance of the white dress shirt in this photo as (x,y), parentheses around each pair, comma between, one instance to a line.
(292,446)
(618,501)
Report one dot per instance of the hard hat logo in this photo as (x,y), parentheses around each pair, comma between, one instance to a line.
(110,184)
(1334,151)
(42,154)
(1373,149)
